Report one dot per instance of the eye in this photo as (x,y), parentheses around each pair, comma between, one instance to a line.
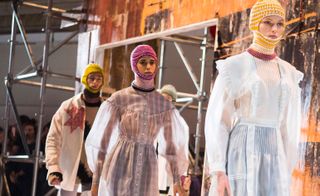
(142,62)
(267,22)
(151,62)
(280,24)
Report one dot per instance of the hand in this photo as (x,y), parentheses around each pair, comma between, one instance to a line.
(177,189)
(223,184)
(54,178)
(186,183)
(94,189)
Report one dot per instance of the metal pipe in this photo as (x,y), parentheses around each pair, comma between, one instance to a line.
(19,158)
(6,110)
(187,65)
(185,105)
(42,96)
(193,107)
(180,40)
(65,18)
(24,38)
(157,35)
(181,94)
(161,62)
(23,158)
(199,127)
(64,76)
(43,7)
(53,50)
(53,86)
(24,76)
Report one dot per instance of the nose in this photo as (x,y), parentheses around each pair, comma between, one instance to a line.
(148,65)
(274,28)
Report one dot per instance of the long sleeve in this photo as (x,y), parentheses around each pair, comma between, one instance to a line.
(218,122)
(54,142)
(173,144)
(292,123)
(102,136)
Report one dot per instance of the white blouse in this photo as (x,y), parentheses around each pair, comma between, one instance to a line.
(255,90)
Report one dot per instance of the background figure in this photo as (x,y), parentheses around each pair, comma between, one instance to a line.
(253,118)
(120,146)
(65,156)
(20,173)
(169,92)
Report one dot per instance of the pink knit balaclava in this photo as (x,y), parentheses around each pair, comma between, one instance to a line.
(139,52)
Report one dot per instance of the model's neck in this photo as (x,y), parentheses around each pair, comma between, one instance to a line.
(262,50)
(91,97)
(143,84)
(262,56)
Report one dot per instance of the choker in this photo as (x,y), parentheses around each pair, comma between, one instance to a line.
(90,94)
(135,87)
(91,104)
(259,55)
(96,104)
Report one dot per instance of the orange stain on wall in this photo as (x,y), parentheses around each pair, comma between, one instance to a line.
(123,19)
(185,12)
(304,184)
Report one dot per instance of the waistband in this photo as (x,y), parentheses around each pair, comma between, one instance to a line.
(258,122)
(136,141)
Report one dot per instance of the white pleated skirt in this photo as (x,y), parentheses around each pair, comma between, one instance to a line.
(256,163)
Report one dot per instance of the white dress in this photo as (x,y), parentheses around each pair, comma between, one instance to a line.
(253,125)
(122,138)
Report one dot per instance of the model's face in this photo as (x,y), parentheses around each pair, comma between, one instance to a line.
(95,80)
(147,65)
(272,27)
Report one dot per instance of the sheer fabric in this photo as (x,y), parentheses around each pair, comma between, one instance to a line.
(241,96)
(122,139)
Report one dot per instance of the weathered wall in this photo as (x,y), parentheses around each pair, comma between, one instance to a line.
(122,19)
(301,49)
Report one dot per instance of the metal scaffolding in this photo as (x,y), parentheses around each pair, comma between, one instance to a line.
(39,68)
(36,68)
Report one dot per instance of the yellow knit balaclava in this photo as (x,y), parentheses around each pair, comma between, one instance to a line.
(261,9)
(91,68)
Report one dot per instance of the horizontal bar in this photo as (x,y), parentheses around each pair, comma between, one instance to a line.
(158,35)
(53,86)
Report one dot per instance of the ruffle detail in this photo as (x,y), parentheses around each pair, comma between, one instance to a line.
(237,72)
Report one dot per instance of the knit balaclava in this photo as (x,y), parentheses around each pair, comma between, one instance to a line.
(261,9)
(139,52)
(170,90)
(91,68)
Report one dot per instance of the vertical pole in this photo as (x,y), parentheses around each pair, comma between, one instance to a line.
(7,111)
(198,134)
(205,175)
(161,62)
(42,94)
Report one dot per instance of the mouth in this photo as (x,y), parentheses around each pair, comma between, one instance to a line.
(273,36)
(95,87)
